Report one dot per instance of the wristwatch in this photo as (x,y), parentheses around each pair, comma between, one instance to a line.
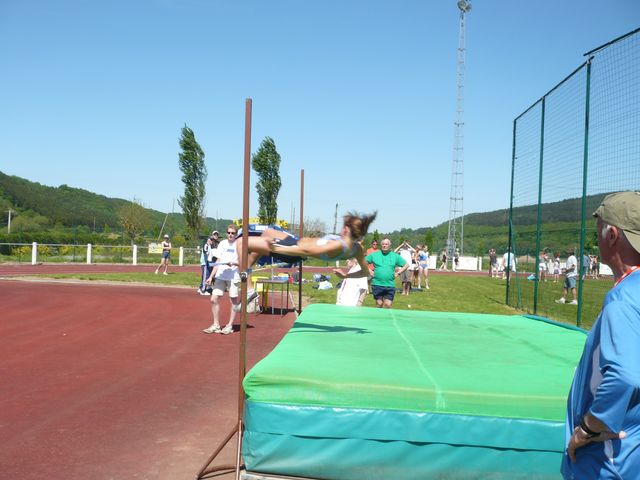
(590,433)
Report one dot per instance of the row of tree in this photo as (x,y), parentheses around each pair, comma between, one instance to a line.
(40,208)
(265,162)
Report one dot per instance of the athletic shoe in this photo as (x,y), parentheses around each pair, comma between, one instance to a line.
(573,302)
(561,300)
(165,273)
(212,329)
(227,330)
(156,272)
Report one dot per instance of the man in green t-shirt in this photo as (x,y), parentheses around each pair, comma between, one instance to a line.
(383,284)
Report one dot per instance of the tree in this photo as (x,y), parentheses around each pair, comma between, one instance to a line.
(428,238)
(28,222)
(135,219)
(266,163)
(313,227)
(194,174)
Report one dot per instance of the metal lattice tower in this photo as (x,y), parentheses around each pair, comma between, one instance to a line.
(455,238)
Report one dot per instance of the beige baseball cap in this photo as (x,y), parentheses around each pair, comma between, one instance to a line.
(622,210)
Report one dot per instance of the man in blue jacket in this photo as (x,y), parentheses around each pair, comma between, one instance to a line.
(603,409)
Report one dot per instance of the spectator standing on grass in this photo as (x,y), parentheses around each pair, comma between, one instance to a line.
(415,269)
(556,267)
(423,266)
(586,261)
(443,259)
(570,277)
(456,260)
(166,255)
(593,266)
(549,266)
(352,290)
(225,277)
(493,263)
(383,283)
(542,266)
(370,250)
(603,409)
(509,262)
(406,252)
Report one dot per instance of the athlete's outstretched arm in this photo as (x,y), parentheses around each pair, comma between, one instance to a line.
(364,267)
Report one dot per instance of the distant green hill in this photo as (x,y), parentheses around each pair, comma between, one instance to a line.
(555,212)
(560,228)
(43,207)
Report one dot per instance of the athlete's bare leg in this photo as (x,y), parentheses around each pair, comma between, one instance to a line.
(257,247)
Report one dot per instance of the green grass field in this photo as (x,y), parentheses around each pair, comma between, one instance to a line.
(448,293)
(593,294)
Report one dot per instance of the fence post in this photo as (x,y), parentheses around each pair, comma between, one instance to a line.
(585,165)
(135,254)
(536,268)
(89,253)
(181,257)
(509,244)
(34,253)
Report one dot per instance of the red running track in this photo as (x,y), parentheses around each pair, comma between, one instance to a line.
(13,270)
(117,382)
(7,269)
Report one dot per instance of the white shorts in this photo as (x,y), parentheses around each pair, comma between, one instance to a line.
(219,287)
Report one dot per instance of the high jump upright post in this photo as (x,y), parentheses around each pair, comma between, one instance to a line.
(244,264)
(301,235)
(242,350)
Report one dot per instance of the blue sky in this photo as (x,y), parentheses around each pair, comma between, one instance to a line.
(359,94)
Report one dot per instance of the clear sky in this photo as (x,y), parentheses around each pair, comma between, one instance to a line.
(359,94)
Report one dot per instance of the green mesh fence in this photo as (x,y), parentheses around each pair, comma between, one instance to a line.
(576,144)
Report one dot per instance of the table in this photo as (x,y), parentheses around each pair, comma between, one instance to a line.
(275,282)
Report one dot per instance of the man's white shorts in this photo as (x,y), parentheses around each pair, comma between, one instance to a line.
(219,287)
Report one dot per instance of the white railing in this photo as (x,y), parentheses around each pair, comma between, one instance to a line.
(94,252)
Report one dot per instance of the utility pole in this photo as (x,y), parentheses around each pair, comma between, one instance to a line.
(335,220)
(455,237)
(9,224)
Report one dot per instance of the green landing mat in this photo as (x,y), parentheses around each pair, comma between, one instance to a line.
(411,395)
(458,363)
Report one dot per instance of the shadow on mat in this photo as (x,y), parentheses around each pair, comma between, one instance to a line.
(325,329)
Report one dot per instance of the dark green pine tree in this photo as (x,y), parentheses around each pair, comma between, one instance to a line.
(194,175)
(266,163)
